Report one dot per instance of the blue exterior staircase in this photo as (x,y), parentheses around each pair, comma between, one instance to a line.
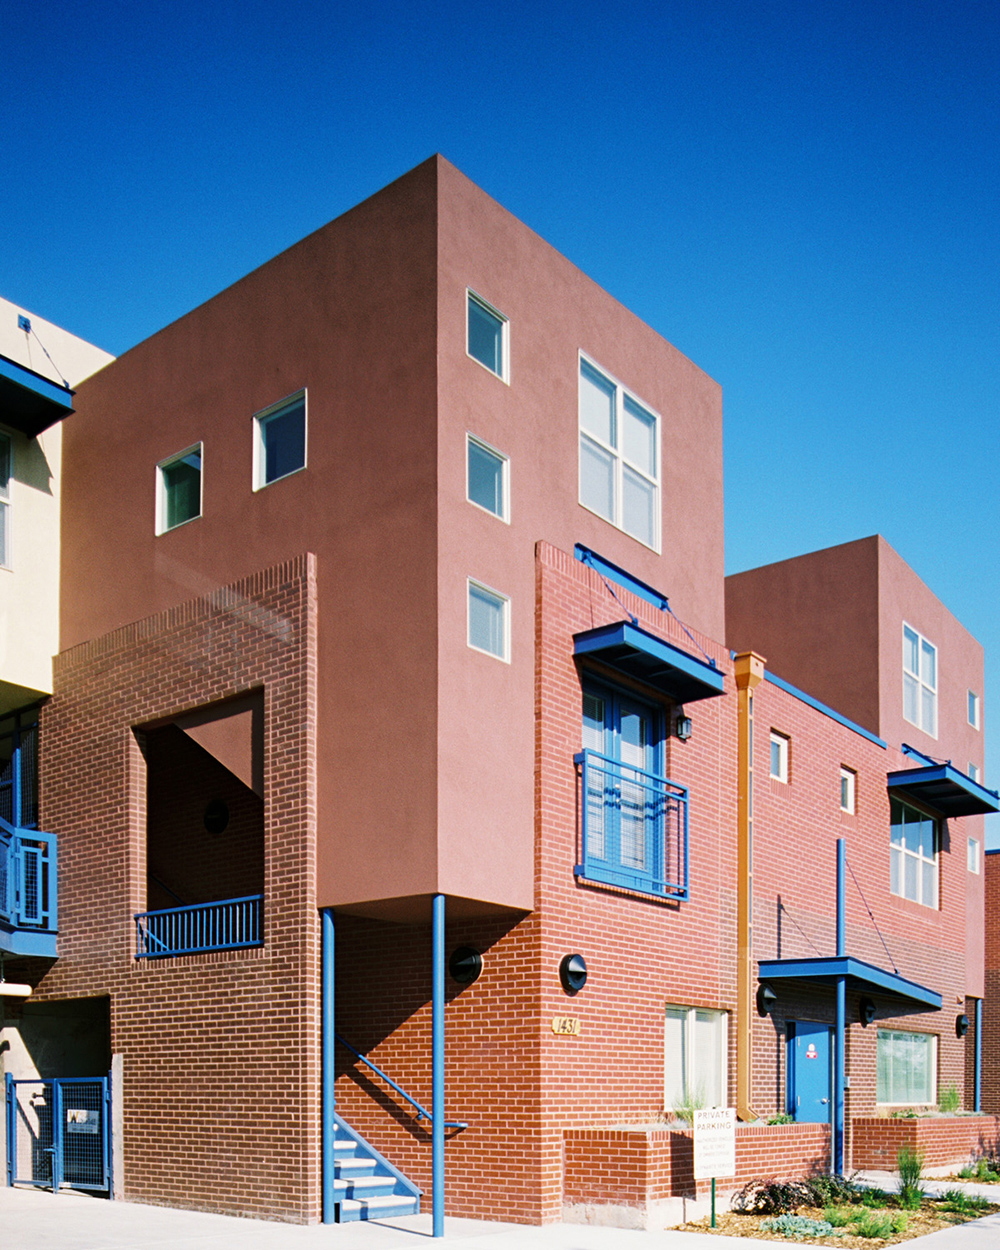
(366,1185)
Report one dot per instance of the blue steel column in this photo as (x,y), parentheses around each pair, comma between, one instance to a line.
(839,1055)
(437,1064)
(328,1046)
(979,1055)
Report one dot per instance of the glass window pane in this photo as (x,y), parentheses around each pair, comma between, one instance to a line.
(640,437)
(929,896)
(638,503)
(927,838)
(4,552)
(486,621)
(486,337)
(597,479)
(486,471)
(4,467)
(910,698)
(910,662)
(928,711)
(593,723)
(182,489)
(597,405)
(895,870)
(910,877)
(675,1075)
(284,439)
(928,663)
(707,1061)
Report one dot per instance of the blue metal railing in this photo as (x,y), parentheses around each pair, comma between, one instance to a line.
(28,887)
(422,1113)
(231,924)
(634,828)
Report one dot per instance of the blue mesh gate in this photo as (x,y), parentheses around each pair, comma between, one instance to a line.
(59,1133)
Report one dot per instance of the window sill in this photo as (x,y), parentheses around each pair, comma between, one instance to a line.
(623,883)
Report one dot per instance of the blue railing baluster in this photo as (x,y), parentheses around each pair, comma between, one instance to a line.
(230,924)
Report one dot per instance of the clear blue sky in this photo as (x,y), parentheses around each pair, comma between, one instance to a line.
(803,198)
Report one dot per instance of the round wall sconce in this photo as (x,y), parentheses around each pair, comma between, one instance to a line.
(216,816)
(866,1011)
(766,999)
(465,965)
(961,1025)
(573,973)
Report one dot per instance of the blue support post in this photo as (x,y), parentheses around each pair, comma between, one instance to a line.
(437,1064)
(57,1136)
(839,1052)
(979,1055)
(328,1047)
(8,1090)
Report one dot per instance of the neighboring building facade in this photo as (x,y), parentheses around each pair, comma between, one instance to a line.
(364,674)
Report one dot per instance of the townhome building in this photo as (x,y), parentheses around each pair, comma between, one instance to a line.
(435,823)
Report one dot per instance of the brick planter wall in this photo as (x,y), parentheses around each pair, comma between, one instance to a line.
(946,1141)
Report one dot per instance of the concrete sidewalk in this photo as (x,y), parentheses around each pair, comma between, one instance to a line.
(37,1220)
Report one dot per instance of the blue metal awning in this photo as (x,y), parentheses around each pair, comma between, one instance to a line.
(858,975)
(29,402)
(944,789)
(641,655)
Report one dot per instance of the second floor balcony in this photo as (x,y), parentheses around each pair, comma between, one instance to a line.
(28,891)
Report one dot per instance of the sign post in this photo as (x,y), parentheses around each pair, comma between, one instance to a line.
(714,1146)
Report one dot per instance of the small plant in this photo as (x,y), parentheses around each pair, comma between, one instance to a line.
(693,1100)
(874,1197)
(949,1102)
(910,1164)
(835,1188)
(838,1217)
(771,1197)
(781,1118)
(959,1200)
(799,1226)
(879,1225)
(904,1113)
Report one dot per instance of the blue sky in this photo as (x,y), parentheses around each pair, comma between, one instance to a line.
(801,198)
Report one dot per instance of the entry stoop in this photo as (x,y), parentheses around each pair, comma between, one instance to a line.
(366,1185)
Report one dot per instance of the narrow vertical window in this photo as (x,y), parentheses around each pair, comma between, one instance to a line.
(973,771)
(178,489)
(4,501)
(779,756)
(280,440)
(489,616)
(487,335)
(919,681)
(486,482)
(973,855)
(848,783)
(973,709)
(913,867)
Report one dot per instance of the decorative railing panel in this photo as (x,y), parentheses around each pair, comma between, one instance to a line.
(633,828)
(27,878)
(231,924)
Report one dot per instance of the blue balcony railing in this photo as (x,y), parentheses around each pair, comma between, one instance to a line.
(634,828)
(28,890)
(231,924)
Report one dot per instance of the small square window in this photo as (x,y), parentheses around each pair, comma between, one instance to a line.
(489,621)
(779,757)
(487,336)
(178,489)
(848,785)
(973,855)
(280,440)
(973,709)
(486,478)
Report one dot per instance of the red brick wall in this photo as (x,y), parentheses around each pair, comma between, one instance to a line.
(991,1001)
(950,1140)
(221,1076)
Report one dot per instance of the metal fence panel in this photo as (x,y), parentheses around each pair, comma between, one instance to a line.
(59,1133)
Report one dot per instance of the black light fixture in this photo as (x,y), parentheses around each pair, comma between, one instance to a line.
(961,1025)
(766,999)
(682,725)
(216,816)
(465,964)
(573,973)
(866,1011)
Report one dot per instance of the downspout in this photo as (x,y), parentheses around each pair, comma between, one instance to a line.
(749,668)
(839,1052)
(979,1057)
(328,1045)
(437,1064)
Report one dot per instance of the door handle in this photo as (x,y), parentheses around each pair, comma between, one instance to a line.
(824,1100)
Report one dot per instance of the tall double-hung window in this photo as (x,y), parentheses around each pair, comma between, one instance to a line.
(619,456)
(4,501)
(919,681)
(695,1070)
(913,866)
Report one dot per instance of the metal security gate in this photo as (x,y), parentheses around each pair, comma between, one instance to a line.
(59,1133)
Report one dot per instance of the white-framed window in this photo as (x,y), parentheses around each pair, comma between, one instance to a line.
(906,1067)
(972,855)
(919,681)
(489,621)
(487,478)
(5,466)
(973,709)
(619,456)
(973,771)
(695,1058)
(848,789)
(913,864)
(779,756)
(178,489)
(279,441)
(487,335)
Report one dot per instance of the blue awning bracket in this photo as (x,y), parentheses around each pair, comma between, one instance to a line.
(632,651)
(942,787)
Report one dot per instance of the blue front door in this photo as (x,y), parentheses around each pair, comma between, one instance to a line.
(809,1071)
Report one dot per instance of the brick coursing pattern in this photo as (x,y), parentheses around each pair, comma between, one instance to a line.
(991,998)
(877,1141)
(220,1051)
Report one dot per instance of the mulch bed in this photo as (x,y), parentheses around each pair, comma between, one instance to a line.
(930,1218)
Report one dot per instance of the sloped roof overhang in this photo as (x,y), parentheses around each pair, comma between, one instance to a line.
(632,651)
(943,789)
(29,402)
(858,975)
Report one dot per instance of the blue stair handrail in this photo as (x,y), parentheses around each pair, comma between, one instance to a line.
(422,1113)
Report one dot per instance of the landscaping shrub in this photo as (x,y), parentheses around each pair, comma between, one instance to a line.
(799,1226)
(772,1197)
(880,1224)
(910,1164)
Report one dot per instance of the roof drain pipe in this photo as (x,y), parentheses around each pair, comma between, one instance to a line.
(749,669)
